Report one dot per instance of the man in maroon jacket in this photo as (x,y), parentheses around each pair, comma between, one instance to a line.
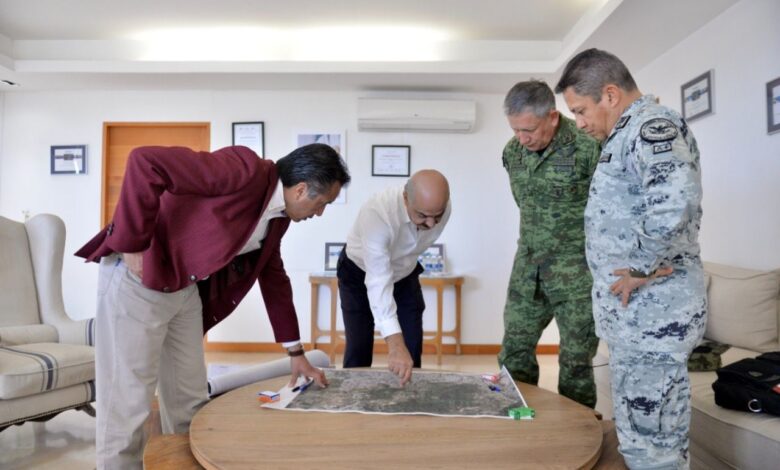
(191,234)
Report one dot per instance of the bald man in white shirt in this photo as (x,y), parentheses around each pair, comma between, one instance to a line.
(379,274)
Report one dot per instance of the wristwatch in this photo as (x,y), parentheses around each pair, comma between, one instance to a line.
(295,351)
(639,274)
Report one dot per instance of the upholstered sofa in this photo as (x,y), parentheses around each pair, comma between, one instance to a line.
(47,361)
(744,312)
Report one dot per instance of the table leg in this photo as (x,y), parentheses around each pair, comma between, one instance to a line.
(315,300)
(439,311)
(334,292)
(457,319)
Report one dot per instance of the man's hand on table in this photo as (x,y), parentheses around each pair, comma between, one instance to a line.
(399,361)
(300,366)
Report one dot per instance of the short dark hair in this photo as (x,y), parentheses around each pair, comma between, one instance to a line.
(591,70)
(317,165)
(533,95)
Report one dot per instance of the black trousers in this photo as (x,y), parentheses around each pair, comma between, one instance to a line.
(359,321)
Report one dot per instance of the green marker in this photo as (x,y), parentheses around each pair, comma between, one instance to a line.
(522,412)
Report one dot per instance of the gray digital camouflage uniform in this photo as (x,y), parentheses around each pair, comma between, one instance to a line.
(643,213)
(550,276)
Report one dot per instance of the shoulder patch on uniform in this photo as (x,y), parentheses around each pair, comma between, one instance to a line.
(662,147)
(605,157)
(658,130)
(622,121)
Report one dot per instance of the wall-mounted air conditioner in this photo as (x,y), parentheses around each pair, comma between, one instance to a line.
(376,114)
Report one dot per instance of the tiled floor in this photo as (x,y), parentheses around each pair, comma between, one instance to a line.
(68,441)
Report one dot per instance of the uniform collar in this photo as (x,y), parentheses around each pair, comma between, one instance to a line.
(635,106)
(639,103)
(564,135)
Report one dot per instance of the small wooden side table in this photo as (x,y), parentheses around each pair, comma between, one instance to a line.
(430,337)
(331,281)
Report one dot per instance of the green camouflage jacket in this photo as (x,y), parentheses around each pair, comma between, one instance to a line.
(551,191)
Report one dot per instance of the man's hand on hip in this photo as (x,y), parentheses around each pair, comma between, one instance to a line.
(135,263)
(627,283)
(399,361)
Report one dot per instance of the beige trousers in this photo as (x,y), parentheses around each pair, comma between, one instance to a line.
(145,338)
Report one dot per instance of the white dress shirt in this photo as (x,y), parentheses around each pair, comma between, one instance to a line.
(274,209)
(385,244)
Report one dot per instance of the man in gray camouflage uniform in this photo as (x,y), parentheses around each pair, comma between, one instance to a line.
(641,227)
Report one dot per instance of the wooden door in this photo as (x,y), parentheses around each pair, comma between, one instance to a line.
(119,138)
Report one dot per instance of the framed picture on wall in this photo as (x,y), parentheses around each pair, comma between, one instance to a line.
(250,134)
(336,140)
(390,160)
(773,106)
(68,159)
(697,97)
(332,253)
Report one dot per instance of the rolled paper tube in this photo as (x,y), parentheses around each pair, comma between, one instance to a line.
(268,370)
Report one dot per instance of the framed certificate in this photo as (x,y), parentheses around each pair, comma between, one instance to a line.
(390,160)
(332,253)
(250,134)
(68,159)
(773,106)
(697,96)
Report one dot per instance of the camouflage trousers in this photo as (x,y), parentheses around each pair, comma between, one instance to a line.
(651,396)
(524,321)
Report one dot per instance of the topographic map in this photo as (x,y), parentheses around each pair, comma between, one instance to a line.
(429,393)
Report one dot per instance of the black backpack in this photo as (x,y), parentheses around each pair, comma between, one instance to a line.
(750,385)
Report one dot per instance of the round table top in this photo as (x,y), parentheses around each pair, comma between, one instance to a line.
(234,432)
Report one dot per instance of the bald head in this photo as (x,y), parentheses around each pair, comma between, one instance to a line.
(426,195)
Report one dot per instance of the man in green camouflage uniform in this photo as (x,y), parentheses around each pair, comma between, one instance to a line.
(550,163)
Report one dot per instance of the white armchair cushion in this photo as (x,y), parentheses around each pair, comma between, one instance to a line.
(44,404)
(26,334)
(35,368)
(77,332)
(743,307)
(18,303)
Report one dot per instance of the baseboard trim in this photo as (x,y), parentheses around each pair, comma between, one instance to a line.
(547,349)
(379,348)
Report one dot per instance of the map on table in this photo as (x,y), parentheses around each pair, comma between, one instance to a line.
(429,393)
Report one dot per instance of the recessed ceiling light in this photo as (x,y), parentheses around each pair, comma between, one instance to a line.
(368,43)
(8,82)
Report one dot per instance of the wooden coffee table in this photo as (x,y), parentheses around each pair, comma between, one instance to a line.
(234,432)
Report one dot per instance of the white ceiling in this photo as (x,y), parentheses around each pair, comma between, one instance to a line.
(469,19)
(422,45)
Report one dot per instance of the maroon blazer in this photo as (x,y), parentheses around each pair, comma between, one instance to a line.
(190,213)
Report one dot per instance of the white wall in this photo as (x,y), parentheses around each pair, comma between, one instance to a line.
(480,238)
(741,166)
(2,114)
(740,162)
